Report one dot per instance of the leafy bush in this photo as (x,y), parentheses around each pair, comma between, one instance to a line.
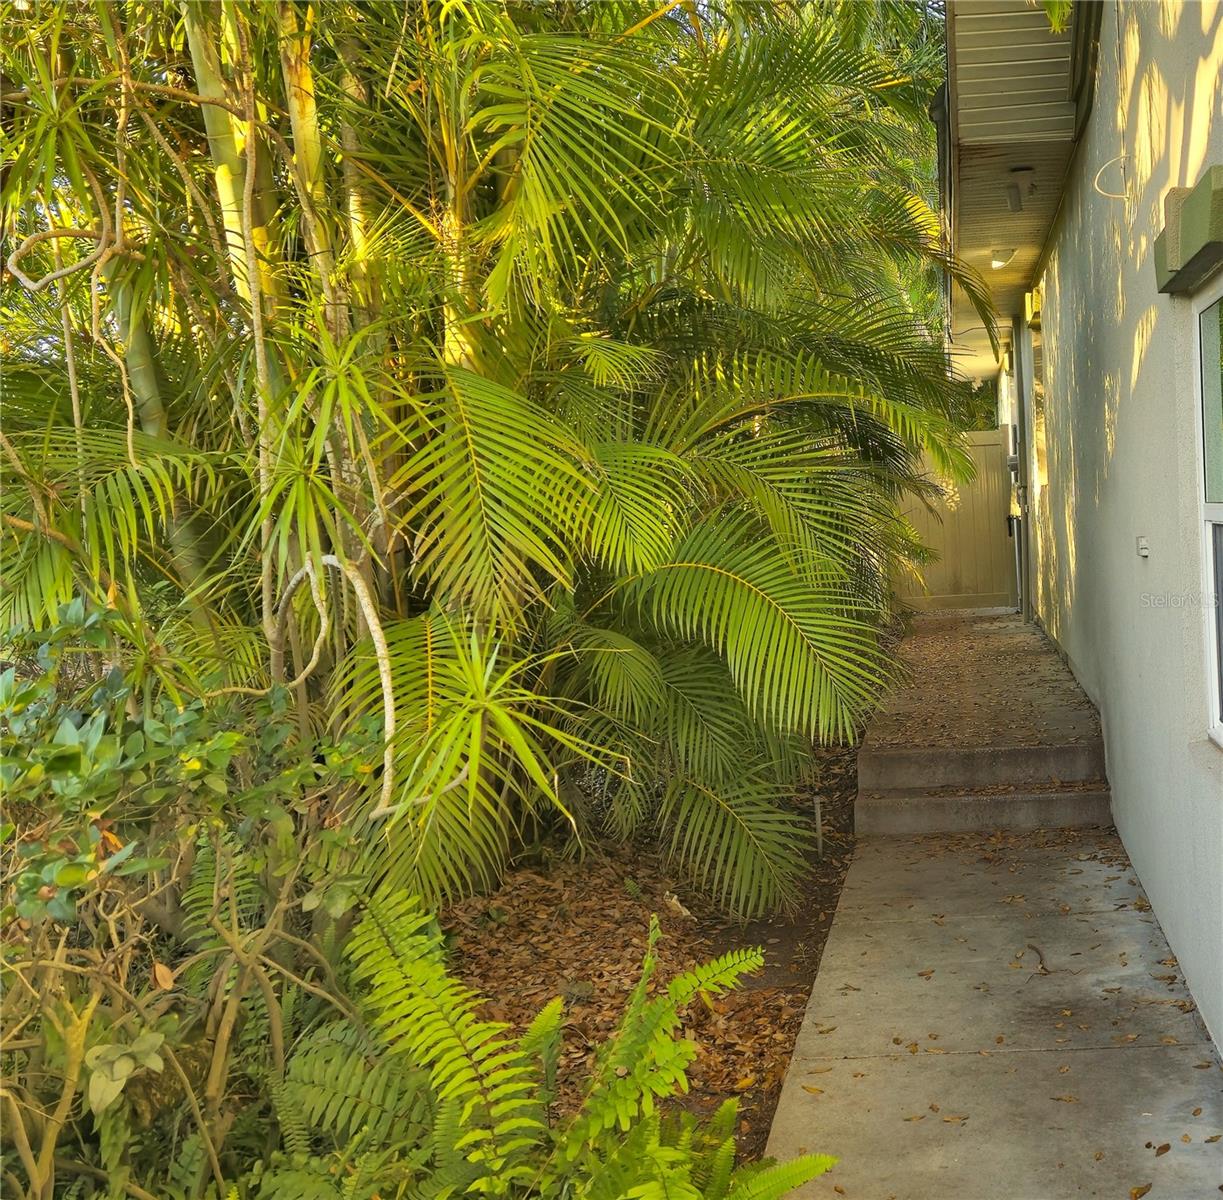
(205,995)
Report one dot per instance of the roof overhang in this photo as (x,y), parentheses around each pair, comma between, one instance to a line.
(1018,95)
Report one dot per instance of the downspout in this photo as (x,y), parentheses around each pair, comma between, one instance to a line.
(1020,356)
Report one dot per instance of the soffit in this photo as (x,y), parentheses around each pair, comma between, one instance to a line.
(1012,125)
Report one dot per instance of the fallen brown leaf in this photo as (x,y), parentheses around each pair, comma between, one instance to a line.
(1137,1193)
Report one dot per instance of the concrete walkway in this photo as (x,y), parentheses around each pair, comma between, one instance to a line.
(997,1015)
(999,1018)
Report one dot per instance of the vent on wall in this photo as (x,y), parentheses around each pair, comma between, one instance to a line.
(1190,248)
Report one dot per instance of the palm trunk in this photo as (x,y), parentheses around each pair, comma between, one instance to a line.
(144,380)
(234,150)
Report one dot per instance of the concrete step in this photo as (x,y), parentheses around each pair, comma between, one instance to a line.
(898,811)
(921,769)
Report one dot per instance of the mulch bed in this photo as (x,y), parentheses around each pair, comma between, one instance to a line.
(578,930)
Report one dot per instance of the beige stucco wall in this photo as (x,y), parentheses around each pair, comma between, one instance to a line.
(1123,462)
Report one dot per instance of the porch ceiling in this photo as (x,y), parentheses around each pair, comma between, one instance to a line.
(1012,133)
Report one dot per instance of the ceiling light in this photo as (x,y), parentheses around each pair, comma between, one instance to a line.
(1014,198)
(1001,258)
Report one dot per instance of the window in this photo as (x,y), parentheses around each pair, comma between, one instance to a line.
(1210,340)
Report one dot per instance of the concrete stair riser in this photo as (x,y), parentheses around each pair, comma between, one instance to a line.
(956,812)
(983,766)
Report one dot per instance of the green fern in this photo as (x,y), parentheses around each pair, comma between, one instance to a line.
(644,1061)
(430,1019)
(341,1086)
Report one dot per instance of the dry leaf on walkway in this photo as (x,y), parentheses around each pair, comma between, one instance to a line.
(1138,1192)
(1162,1149)
(1065,1099)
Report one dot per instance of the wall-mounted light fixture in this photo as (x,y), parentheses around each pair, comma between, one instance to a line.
(1001,258)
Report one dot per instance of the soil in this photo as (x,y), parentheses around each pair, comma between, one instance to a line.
(578,929)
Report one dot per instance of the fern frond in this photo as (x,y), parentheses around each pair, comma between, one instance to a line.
(431,1019)
(771,1181)
(341,1086)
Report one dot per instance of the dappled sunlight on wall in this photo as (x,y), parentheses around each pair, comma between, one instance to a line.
(1122,450)
(1054,466)
(1164,136)
(1142,140)
(1142,340)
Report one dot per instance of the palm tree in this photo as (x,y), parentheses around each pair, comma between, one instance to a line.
(534,382)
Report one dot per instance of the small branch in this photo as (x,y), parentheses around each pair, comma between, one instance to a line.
(385,810)
(17,1132)
(47,235)
(1044,968)
(74,1057)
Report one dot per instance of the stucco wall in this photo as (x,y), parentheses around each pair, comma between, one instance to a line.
(1123,461)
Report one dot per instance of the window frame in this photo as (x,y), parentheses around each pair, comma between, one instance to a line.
(1209,515)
